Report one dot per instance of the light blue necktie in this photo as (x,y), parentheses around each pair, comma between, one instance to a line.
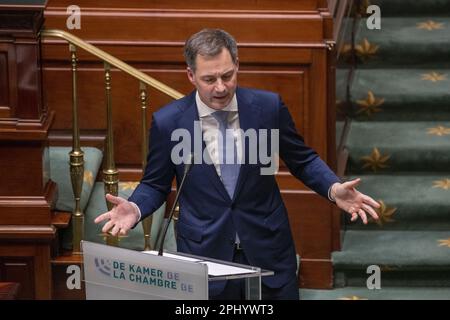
(229,166)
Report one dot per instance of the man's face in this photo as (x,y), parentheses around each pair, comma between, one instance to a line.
(215,79)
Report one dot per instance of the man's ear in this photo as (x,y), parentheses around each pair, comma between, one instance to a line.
(190,75)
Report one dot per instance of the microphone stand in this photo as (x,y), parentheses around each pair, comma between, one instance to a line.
(187,168)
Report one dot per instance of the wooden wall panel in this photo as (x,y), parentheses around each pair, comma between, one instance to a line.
(126,108)
(310,217)
(8,79)
(19,270)
(4,87)
(26,193)
(28,264)
(15,171)
(18,98)
(270,5)
(29,98)
(175,27)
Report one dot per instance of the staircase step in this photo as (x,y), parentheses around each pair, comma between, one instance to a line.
(390,293)
(406,258)
(401,94)
(61,219)
(391,277)
(412,249)
(399,146)
(68,258)
(411,202)
(412,7)
(413,41)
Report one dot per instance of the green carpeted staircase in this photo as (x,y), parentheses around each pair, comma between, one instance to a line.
(399,144)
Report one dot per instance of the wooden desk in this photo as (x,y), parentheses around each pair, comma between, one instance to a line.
(9,290)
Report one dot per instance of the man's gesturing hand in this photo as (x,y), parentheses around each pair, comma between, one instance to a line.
(121,218)
(354,202)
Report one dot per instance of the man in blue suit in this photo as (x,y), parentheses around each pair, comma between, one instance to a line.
(230,208)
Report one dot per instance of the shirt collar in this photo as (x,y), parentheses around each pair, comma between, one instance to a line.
(204,110)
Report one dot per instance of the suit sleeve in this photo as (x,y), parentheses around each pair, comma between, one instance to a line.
(303,162)
(159,173)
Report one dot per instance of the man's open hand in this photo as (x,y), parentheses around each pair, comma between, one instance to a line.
(354,202)
(121,218)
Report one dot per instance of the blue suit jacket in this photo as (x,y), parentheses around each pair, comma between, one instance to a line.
(209,218)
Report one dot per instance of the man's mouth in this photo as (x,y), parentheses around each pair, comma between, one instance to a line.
(220,98)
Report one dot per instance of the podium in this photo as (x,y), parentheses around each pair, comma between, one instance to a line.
(112,273)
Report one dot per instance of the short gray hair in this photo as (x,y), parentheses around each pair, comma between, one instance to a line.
(209,42)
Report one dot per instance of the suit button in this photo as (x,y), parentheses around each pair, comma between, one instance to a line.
(233,206)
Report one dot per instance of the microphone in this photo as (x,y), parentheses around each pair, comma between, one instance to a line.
(187,168)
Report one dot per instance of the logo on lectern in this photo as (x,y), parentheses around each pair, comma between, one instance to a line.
(104,266)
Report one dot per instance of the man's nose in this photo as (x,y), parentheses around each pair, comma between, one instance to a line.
(220,86)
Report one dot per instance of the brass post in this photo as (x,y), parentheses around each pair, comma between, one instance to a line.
(147,222)
(175,218)
(176,213)
(110,173)
(76,162)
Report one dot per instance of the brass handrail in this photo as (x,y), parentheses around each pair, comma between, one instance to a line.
(106,57)
(110,173)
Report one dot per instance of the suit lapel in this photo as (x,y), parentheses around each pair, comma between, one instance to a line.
(248,119)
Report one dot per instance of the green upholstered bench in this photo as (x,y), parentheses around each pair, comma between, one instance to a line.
(60,173)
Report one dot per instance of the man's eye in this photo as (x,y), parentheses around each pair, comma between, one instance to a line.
(209,80)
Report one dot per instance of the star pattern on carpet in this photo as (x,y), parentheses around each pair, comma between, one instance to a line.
(375,160)
(352,298)
(434,77)
(386,268)
(430,25)
(365,49)
(129,185)
(88,177)
(370,105)
(385,214)
(439,131)
(442,184)
(444,243)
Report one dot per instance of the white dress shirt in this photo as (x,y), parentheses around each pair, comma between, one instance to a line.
(210,129)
